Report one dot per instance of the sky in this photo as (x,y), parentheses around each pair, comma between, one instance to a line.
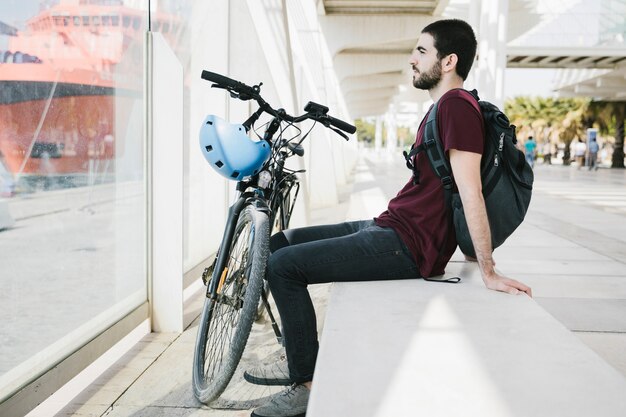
(16,12)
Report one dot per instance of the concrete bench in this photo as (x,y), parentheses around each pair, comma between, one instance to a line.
(6,220)
(417,348)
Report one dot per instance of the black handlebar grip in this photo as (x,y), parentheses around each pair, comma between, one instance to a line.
(219,79)
(340,124)
(229,83)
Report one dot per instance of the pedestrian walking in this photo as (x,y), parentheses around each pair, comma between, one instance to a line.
(530,150)
(593,154)
(579,153)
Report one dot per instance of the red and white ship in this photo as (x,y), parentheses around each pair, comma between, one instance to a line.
(68,83)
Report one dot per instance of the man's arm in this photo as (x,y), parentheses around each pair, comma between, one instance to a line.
(466,169)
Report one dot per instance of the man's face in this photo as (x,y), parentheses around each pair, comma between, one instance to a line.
(426,67)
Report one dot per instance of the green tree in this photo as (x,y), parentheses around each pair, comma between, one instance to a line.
(365,130)
(549,120)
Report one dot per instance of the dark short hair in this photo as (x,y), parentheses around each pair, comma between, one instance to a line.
(454,36)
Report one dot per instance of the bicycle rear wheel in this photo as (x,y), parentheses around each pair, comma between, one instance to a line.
(226,320)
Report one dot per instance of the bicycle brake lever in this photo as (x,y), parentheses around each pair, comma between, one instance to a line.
(340,133)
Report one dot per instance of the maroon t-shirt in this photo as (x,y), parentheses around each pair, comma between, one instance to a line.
(418,213)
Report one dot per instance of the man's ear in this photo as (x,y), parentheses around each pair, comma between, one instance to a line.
(449,62)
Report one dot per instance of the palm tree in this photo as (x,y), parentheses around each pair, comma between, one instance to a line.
(549,120)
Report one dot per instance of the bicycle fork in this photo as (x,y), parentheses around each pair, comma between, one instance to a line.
(220,261)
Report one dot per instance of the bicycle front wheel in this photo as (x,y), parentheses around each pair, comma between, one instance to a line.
(227,318)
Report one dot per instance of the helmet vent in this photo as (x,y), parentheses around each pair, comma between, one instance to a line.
(219,164)
(235,174)
(208,148)
(209,122)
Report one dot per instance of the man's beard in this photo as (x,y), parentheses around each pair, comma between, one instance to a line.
(428,79)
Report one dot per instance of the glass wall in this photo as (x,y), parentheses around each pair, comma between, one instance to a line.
(197,32)
(71,176)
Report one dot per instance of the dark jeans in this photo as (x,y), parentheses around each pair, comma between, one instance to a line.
(352,251)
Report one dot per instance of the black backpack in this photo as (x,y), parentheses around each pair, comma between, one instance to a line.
(507,179)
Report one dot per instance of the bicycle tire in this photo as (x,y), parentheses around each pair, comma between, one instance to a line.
(280,223)
(226,321)
(260,311)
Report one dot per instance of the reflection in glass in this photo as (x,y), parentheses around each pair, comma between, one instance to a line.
(71,175)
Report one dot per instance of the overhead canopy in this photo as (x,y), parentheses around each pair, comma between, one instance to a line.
(371,41)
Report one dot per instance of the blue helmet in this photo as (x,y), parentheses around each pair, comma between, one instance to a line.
(229,150)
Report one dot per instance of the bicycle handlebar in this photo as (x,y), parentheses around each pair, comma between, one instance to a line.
(245,92)
(230,84)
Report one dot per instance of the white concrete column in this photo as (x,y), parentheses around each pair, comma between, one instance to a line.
(474,14)
(391,127)
(378,135)
(474,20)
(492,50)
(322,185)
(166,188)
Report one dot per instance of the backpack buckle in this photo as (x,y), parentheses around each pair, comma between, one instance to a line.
(447,182)
(429,141)
(409,163)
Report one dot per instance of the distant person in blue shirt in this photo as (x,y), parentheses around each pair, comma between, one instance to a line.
(593,154)
(530,149)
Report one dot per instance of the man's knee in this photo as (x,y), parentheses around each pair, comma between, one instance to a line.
(281,267)
(278,241)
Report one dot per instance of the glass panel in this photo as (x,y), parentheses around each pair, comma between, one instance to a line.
(195,30)
(71,179)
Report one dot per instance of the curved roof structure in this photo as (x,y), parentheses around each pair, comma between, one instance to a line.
(371,40)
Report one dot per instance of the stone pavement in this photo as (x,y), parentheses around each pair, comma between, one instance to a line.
(571,250)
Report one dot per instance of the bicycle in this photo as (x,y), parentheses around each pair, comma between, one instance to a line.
(267,191)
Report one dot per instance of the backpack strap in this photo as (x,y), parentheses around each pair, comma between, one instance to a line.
(451,280)
(436,156)
(408,156)
(431,144)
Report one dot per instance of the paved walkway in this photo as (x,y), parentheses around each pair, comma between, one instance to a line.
(571,251)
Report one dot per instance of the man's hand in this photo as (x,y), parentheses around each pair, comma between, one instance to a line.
(497,282)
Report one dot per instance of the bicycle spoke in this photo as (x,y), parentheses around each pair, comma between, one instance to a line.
(227,306)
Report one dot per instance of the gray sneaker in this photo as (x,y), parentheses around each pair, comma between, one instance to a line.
(291,402)
(276,373)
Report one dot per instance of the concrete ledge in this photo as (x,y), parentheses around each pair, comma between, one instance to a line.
(6,220)
(417,348)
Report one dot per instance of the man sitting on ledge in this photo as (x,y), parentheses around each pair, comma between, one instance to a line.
(413,238)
